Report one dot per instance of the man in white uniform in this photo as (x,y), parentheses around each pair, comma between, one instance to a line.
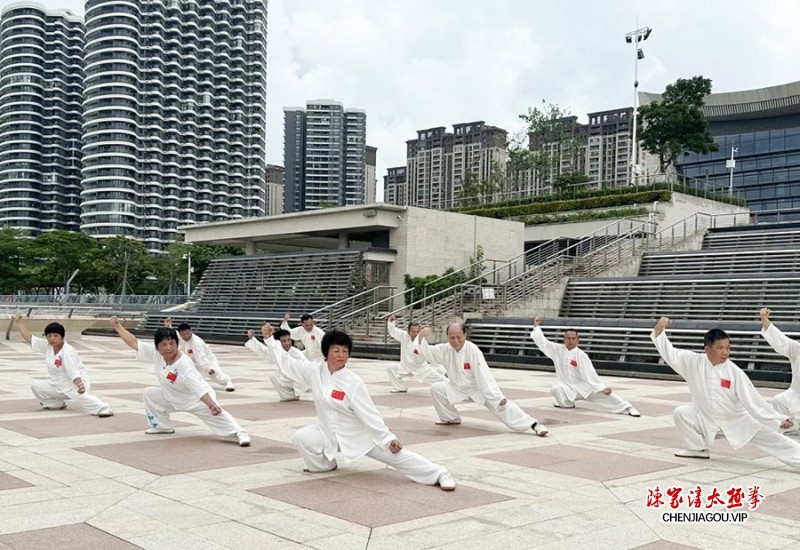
(181,387)
(201,355)
(308,334)
(68,378)
(469,377)
(287,388)
(348,420)
(412,364)
(576,377)
(723,397)
(786,403)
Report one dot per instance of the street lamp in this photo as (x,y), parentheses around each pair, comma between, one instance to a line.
(188,257)
(730,164)
(634,37)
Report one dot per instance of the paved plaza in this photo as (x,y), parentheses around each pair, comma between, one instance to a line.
(68,480)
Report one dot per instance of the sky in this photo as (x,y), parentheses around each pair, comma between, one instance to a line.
(416,64)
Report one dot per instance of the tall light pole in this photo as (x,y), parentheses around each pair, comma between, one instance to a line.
(634,37)
(730,164)
(188,257)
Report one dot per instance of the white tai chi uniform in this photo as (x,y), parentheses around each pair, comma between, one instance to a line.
(412,364)
(469,377)
(723,397)
(181,388)
(63,367)
(576,376)
(205,360)
(312,341)
(287,388)
(786,403)
(348,421)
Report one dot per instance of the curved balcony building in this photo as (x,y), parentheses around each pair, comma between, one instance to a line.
(174,122)
(41,77)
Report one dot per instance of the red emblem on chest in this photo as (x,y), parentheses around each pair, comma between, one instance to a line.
(338,394)
(467,366)
(57,362)
(172,376)
(574,363)
(416,352)
(725,383)
(189,351)
(313,337)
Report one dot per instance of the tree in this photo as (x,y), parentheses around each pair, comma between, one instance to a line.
(13,251)
(122,266)
(54,256)
(676,124)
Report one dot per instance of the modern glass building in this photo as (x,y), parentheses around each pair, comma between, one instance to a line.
(174,115)
(763,126)
(41,78)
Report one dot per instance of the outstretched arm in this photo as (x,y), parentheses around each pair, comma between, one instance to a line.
(126,336)
(778,340)
(23,330)
(678,360)
(550,349)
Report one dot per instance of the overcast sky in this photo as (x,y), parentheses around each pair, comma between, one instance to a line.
(414,64)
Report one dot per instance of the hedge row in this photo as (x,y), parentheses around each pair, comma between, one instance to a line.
(584,216)
(572,205)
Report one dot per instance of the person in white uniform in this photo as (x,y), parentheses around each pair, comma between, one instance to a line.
(67,377)
(469,378)
(287,388)
(412,364)
(575,374)
(181,388)
(348,420)
(723,398)
(201,355)
(786,403)
(308,334)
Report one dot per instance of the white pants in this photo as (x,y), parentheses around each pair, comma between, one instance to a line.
(770,441)
(51,398)
(284,387)
(311,442)
(426,373)
(158,409)
(219,377)
(611,403)
(509,414)
(781,404)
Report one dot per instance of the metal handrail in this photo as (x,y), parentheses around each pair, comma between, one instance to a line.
(353,298)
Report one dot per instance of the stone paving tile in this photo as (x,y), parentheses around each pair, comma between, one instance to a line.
(165,455)
(404,400)
(581,462)
(10,482)
(671,439)
(84,424)
(377,498)
(663,545)
(22,406)
(273,410)
(416,431)
(79,536)
(551,416)
(783,505)
(118,386)
(683,397)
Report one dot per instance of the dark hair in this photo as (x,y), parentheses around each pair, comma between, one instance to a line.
(462,325)
(55,328)
(305,317)
(572,330)
(713,335)
(184,326)
(336,338)
(280,333)
(165,333)
(412,324)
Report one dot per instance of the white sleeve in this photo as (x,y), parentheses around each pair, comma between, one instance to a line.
(296,332)
(433,354)
(285,326)
(752,401)
(679,360)
(394,332)
(486,382)
(72,364)
(781,343)
(298,370)
(145,351)
(590,375)
(39,344)
(547,347)
(260,349)
(368,414)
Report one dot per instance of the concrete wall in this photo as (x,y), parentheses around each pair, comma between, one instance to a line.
(439,239)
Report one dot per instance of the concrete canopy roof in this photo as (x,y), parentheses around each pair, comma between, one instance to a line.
(309,229)
(746,104)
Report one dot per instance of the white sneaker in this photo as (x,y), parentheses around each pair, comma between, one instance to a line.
(633,412)
(151,431)
(244,439)
(539,429)
(230,387)
(446,481)
(63,406)
(399,391)
(687,453)
(105,412)
(448,423)
(295,398)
